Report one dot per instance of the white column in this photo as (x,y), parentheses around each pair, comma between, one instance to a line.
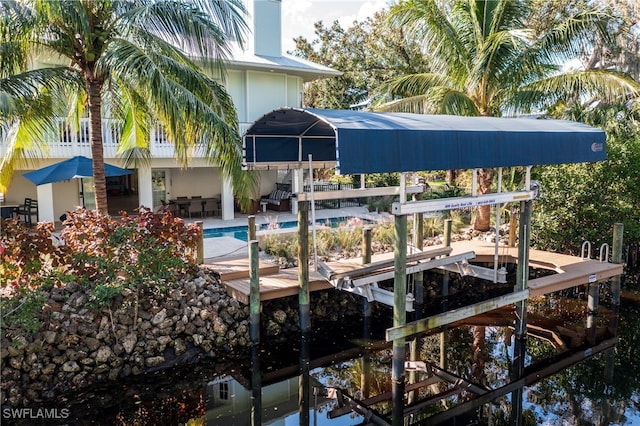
(145,188)
(45,203)
(297,181)
(226,194)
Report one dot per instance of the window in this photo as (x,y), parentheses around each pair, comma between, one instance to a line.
(223,391)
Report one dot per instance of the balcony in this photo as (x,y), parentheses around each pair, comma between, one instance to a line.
(66,142)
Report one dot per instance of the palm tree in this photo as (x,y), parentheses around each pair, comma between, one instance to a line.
(484,62)
(131,59)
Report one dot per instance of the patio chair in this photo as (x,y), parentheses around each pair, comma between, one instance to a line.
(212,205)
(28,210)
(195,206)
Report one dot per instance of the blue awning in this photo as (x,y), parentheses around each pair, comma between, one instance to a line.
(357,142)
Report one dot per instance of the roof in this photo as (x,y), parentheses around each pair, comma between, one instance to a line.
(244,59)
(368,142)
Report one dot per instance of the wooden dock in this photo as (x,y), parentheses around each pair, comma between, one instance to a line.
(276,283)
(570,271)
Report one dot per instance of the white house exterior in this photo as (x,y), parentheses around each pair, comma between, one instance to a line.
(259,79)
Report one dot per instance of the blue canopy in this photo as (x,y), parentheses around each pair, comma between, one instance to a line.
(357,142)
(76,167)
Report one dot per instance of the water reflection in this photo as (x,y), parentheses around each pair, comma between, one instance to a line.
(475,371)
(571,369)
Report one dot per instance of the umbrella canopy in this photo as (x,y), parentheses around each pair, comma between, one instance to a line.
(76,167)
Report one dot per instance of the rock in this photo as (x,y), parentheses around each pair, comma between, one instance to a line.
(103,354)
(179,347)
(129,342)
(280,316)
(163,341)
(81,301)
(154,361)
(159,317)
(72,287)
(70,367)
(197,339)
(50,337)
(92,343)
(16,362)
(272,328)
(114,373)
(14,351)
(219,327)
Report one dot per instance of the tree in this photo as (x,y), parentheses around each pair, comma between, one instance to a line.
(582,201)
(132,59)
(368,53)
(484,61)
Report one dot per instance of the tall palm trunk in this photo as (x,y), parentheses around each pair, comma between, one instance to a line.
(94,90)
(483,217)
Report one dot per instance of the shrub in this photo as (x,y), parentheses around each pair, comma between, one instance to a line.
(104,254)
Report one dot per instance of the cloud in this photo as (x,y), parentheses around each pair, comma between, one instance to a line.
(299,16)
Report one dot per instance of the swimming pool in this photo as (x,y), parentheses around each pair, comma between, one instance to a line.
(240,232)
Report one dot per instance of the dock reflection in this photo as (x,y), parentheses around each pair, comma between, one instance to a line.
(453,377)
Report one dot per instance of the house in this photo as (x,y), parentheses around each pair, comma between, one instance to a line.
(259,78)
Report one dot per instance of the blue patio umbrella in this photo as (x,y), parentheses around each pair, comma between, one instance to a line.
(76,167)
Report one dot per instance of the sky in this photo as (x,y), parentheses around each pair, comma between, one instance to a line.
(298,16)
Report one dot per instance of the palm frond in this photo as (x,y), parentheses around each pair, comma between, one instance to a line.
(574,87)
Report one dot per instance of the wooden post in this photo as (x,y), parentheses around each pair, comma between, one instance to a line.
(200,247)
(256,386)
(251,228)
(304,400)
(254,292)
(447,232)
(616,257)
(418,278)
(303,265)
(365,375)
(512,228)
(517,373)
(399,319)
(366,245)
(522,274)
(366,258)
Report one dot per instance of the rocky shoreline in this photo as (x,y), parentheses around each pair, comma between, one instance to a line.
(78,348)
(194,319)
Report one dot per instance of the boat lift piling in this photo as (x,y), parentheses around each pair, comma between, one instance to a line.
(303,266)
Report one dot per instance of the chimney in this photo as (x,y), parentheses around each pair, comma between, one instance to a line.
(267,27)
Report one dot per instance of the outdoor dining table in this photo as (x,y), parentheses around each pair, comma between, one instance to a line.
(7,208)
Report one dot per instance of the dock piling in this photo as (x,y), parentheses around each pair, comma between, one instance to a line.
(254,292)
(616,257)
(251,228)
(399,319)
(303,266)
(522,274)
(200,246)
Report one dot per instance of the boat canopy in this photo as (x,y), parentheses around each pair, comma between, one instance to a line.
(356,142)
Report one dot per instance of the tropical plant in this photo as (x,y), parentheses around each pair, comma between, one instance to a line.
(484,61)
(583,201)
(133,60)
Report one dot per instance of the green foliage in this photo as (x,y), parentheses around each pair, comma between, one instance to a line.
(104,254)
(582,201)
(281,246)
(368,53)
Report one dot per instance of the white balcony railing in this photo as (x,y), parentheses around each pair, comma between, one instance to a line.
(67,142)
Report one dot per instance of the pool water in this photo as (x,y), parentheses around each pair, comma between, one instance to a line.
(240,232)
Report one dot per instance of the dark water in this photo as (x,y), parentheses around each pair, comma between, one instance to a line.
(571,369)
